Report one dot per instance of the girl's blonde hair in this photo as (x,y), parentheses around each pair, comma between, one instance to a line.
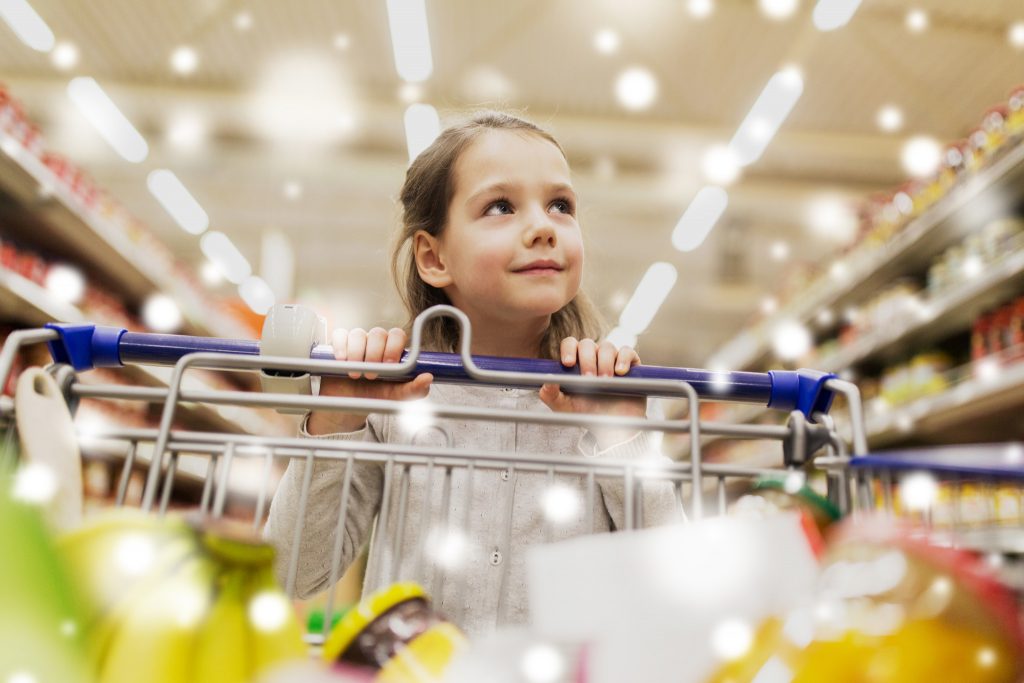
(425,197)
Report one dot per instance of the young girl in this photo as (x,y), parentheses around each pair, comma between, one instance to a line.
(490,227)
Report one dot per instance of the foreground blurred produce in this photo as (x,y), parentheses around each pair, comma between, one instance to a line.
(891,607)
(170,600)
(40,623)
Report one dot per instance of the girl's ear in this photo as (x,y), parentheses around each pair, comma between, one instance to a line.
(429,262)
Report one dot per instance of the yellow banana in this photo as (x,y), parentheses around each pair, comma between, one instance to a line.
(274,631)
(155,639)
(112,553)
(223,653)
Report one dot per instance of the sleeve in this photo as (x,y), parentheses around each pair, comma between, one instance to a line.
(656,498)
(319,523)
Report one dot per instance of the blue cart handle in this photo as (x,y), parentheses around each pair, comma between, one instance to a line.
(86,346)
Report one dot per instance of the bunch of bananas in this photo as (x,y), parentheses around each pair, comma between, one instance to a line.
(169,599)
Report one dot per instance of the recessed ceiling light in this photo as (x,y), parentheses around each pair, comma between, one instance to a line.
(917,20)
(64,56)
(778,9)
(341,42)
(292,190)
(243,21)
(700,8)
(921,156)
(889,118)
(184,60)
(410,92)
(1016,35)
(636,88)
(606,41)
(780,251)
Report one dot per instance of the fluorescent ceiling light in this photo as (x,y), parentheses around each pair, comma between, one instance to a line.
(720,165)
(410,39)
(702,214)
(224,254)
(178,201)
(256,294)
(107,119)
(422,126)
(655,286)
(27,25)
(766,116)
(621,337)
(832,14)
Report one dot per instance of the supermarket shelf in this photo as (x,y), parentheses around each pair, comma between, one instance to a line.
(98,241)
(979,199)
(938,318)
(974,410)
(25,301)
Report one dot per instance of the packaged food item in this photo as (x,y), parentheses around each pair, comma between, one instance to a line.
(1016,331)
(397,633)
(979,337)
(783,493)
(890,607)
(1015,115)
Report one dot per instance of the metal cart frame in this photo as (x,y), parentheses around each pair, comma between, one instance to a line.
(801,437)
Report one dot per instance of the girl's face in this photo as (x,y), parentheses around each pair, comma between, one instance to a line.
(512,248)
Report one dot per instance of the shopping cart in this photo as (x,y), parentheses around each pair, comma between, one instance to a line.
(697,485)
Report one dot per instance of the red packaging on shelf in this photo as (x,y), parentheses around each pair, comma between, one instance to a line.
(979,337)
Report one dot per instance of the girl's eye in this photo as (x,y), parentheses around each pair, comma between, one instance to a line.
(563,205)
(498,208)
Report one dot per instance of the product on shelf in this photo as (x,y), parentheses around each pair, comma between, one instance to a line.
(883,216)
(956,504)
(890,607)
(397,633)
(924,375)
(169,599)
(999,335)
(967,260)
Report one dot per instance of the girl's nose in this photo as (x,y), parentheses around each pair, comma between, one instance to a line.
(539,230)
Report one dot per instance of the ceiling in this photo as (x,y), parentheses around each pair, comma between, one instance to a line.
(280,103)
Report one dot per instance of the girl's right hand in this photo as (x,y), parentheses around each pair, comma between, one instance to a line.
(376,346)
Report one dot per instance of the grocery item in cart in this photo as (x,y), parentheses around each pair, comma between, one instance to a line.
(396,633)
(890,607)
(785,492)
(40,620)
(169,599)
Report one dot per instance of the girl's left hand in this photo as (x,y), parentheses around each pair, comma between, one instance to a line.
(602,360)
